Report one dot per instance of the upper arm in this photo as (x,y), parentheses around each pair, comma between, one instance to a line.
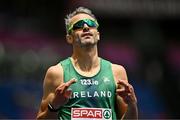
(119,72)
(53,78)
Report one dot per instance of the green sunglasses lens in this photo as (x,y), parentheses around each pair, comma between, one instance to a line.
(80,24)
(90,23)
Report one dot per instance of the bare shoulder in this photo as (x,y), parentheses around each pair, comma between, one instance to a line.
(119,72)
(118,68)
(54,76)
(55,71)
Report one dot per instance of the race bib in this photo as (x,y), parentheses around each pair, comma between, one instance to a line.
(91,114)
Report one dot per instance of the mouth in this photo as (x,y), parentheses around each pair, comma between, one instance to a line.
(86,34)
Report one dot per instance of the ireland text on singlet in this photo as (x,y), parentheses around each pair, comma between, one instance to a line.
(89,92)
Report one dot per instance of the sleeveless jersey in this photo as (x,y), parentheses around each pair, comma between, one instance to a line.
(97,91)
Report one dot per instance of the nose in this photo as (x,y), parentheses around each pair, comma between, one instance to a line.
(85,28)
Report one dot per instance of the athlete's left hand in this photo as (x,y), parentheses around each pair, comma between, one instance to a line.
(126,91)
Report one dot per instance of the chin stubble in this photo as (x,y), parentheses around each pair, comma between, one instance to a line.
(78,41)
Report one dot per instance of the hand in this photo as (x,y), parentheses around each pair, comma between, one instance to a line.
(126,91)
(62,94)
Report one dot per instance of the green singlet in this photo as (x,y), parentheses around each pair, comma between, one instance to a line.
(89,92)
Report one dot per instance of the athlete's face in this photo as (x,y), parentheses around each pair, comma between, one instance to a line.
(85,35)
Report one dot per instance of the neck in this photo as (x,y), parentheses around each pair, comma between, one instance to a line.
(85,59)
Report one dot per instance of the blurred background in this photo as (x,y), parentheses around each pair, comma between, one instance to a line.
(141,35)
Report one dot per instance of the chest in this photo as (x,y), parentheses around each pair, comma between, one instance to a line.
(97,87)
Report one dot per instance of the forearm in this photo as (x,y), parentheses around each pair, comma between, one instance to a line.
(132,112)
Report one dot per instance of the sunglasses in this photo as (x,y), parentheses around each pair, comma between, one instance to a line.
(80,24)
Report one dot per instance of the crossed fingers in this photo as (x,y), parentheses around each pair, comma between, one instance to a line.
(125,86)
(63,88)
(126,91)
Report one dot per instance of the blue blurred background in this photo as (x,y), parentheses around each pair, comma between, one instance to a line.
(143,36)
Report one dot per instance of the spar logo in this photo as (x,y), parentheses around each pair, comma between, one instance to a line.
(91,114)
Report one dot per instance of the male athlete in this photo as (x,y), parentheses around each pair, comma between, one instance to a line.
(85,86)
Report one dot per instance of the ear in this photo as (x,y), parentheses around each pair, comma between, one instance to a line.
(69,38)
(98,36)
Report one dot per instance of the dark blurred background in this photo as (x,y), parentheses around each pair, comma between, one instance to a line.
(141,35)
